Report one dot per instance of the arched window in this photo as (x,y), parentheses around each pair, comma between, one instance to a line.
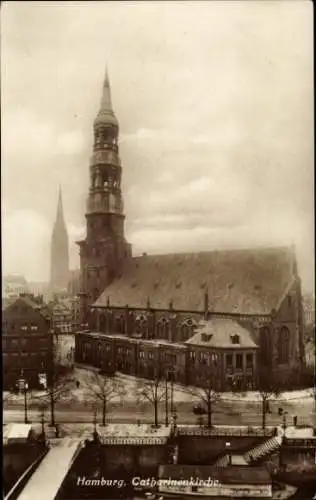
(97,138)
(141,326)
(92,319)
(162,329)
(187,329)
(120,324)
(265,346)
(283,345)
(102,322)
(99,351)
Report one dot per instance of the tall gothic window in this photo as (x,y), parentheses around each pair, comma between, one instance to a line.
(283,345)
(102,322)
(120,324)
(162,328)
(265,346)
(187,329)
(93,320)
(141,325)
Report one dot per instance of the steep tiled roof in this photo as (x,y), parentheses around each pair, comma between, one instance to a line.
(220,332)
(226,475)
(248,281)
(38,306)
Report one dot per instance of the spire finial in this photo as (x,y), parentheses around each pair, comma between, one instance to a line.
(106,102)
(106,115)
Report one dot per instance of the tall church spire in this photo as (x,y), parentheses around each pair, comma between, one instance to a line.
(106,115)
(106,101)
(60,220)
(105,249)
(59,250)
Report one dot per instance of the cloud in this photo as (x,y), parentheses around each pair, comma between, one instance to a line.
(214,101)
(26,244)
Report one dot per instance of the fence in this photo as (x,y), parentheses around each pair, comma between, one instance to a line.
(226,431)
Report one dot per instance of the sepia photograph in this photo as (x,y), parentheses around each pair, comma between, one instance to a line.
(158,257)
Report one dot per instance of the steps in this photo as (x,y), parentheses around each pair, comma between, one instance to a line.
(222,462)
(264,449)
(253,455)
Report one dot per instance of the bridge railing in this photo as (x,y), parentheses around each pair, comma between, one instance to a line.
(226,431)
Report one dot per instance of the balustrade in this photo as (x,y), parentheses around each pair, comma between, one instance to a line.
(105,157)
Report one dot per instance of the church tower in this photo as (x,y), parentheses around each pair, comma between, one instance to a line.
(59,274)
(104,250)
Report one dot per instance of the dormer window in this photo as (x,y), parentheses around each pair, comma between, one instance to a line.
(206,337)
(235,339)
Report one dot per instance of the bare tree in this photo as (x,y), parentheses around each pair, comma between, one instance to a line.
(152,391)
(208,392)
(104,389)
(59,385)
(268,386)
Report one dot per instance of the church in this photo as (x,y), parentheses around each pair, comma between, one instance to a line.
(59,258)
(229,313)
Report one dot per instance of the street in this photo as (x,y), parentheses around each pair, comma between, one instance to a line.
(238,413)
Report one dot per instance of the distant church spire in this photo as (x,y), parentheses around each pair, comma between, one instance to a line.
(59,250)
(60,212)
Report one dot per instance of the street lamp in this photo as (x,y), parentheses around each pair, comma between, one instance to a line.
(43,408)
(171,376)
(166,394)
(95,412)
(228,445)
(284,419)
(25,389)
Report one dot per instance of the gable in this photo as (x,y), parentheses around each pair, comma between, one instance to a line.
(22,307)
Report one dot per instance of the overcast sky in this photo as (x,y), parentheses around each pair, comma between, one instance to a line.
(215,104)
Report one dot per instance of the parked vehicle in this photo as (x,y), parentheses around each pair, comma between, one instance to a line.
(199,410)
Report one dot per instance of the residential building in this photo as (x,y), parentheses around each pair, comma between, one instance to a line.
(61,315)
(27,346)
(75,313)
(13,285)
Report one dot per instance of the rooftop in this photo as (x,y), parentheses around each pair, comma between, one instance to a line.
(299,433)
(136,339)
(32,301)
(251,281)
(225,333)
(237,474)
(12,432)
